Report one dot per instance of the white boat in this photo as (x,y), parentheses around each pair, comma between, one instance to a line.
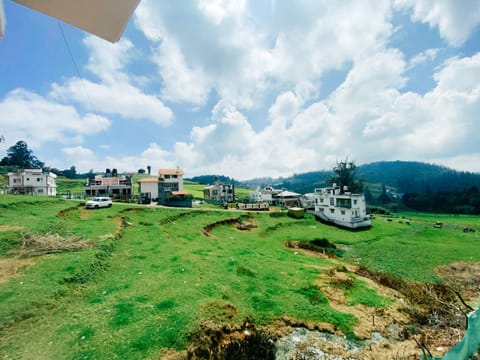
(342,208)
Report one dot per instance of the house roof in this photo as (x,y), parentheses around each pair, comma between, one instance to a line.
(104,18)
(286,193)
(152,179)
(176,171)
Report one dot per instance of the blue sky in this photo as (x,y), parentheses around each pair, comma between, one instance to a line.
(247,88)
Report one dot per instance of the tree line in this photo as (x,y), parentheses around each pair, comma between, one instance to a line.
(466,201)
(20,156)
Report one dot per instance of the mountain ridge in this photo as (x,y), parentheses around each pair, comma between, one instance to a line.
(404,176)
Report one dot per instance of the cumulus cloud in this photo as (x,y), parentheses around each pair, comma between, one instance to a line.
(116,92)
(37,120)
(455,21)
(423,57)
(241,60)
(385,124)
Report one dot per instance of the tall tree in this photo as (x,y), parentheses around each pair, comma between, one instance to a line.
(20,155)
(345,173)
(70,173)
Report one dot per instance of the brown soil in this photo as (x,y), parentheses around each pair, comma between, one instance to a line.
(12,267)
(84,214)
(240,223)
(464,278)
(65,212)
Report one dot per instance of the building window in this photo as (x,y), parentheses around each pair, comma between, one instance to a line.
(167,176)
(14,181)
(332,201)
(175,176)
(38,179)
(28,179)
(355,202)
(332,210)
(343,212)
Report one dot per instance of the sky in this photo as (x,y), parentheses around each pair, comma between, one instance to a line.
(247,88)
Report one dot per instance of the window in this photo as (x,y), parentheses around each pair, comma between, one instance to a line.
(38,179)
(28,179)
(332,211)
(14,181)
(175,176)
(167,176)
(332,201)
(343,212)
(355,202)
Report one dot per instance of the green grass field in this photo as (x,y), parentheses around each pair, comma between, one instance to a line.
(150,276)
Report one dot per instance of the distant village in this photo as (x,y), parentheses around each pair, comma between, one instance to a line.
(331,204)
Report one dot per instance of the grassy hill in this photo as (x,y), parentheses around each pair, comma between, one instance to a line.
(402,176)
(136,282)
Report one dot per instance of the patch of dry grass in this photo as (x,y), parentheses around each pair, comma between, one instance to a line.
(40,244)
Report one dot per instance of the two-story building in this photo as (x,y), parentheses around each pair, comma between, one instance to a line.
(32,182)
(119,186)
(224,193)
(170,188)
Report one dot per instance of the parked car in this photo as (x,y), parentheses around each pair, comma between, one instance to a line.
(98,202)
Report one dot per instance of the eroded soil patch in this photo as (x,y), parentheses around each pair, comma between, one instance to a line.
(437,313)
(419,315)
(463,277)
(243,223)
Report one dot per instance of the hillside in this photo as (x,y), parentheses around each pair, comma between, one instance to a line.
(136,282)
(405,176)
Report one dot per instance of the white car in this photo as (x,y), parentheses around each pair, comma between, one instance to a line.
(98,202)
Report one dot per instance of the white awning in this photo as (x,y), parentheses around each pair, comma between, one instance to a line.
(104,18)
(2,19)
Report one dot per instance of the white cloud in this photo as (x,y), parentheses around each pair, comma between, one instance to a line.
(37,120)
(116,93)
(367,119)
(455,20)
(251,54)
(423,57)
(79,152)
(120,99)
(219,10)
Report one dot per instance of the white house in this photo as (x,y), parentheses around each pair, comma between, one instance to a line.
(219,192)
(148,189)
(265,195)
(339,207)
(32,182)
